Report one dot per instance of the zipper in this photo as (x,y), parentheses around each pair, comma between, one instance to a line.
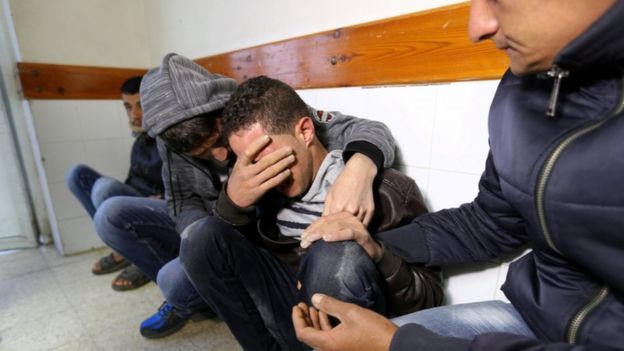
(550,163)
(557,74)
(578,319)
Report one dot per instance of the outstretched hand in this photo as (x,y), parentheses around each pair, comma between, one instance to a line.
(250,179)
(353,190)
(360,328)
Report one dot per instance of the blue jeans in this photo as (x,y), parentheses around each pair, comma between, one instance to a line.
(142,231)
(466,321)
(139,229)
(91,188)
(254,292)
(178,290)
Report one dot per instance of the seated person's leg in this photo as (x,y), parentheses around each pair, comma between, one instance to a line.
(79,180)
(105,187)
(342,270)
(178,290)
(182,302)
(140,229)
(468,320)
(251,290)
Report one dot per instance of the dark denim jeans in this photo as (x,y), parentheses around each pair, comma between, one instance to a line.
(254,292)
(91,188)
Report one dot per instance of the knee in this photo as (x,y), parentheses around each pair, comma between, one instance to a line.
(101,190)
(73,175)
(341,269)
(204,239)
(108,218)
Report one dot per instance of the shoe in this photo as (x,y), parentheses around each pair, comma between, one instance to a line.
(109,265)
(164,322)
(133,275)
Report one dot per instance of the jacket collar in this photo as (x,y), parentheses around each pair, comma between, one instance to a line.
(601,44)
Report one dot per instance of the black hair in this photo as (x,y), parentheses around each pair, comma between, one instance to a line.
(131,85)
(270,102)
(187,135)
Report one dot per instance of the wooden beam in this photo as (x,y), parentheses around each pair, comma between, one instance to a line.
(425,47)
(48,81)
(419,48)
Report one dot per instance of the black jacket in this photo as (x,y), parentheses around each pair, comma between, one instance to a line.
(555,183)
(145,166)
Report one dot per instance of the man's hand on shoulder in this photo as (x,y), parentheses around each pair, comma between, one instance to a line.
(353,189)
(250,180)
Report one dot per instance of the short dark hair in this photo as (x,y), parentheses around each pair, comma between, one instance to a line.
(270,102)
(131,85)
(191,133)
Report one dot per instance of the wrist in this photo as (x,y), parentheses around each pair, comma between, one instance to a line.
(364,165)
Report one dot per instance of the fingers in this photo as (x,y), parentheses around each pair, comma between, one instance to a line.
(267,177)
(368,216)
(253,150)
(324,321)
(300,316)
(304,329)
(314,316)
(331,306)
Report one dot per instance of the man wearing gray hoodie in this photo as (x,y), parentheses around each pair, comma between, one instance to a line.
(182,104)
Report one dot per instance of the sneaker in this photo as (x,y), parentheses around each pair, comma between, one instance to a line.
(164,322)
(167,321)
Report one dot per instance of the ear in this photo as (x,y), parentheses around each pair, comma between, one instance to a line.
(305,131)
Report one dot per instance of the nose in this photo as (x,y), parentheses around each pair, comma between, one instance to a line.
(482,24)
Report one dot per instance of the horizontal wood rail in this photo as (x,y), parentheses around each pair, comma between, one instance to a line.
(48,81)
(424,47)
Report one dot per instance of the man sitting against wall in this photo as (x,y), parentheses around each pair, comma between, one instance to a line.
(143,180)
(183,104)
(552,179)
(245,269)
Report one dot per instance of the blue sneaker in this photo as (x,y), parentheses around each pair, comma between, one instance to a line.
(164,322)
(167,321)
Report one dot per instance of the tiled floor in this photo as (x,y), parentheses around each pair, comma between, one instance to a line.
(49,302)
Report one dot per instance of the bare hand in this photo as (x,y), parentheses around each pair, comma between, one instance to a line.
(249,181)
(341,226)
(353,189)
(360,328)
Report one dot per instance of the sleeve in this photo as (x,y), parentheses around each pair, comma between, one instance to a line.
(229,212)
(409,287)
(417,337)
(351,134)
(185,206)
(486,228)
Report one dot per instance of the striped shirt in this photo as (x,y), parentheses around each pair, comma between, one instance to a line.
(298,214)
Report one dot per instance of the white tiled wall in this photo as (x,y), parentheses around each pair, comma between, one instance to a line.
(441,132)
(95,133)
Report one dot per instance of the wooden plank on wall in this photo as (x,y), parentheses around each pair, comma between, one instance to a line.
(49,81)
(425,47)
(419,48)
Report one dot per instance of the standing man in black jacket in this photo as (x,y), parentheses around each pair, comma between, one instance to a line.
(552,181)
(143,180)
